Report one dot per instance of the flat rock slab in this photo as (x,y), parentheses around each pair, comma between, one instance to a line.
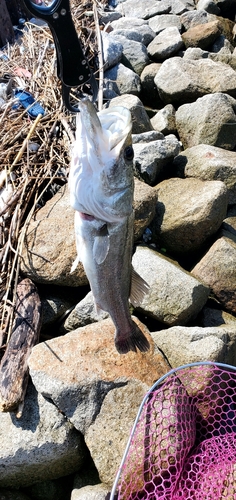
(77,371)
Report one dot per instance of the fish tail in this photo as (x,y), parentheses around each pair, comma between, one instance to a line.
(131,341)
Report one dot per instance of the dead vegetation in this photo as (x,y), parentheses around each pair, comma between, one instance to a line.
(34,153)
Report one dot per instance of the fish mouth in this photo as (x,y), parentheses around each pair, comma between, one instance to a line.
(101,181)
(108,128)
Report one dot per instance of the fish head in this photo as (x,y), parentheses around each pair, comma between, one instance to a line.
(101,177)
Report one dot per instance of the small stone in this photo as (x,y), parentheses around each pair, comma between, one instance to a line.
(164,120)
(166,44)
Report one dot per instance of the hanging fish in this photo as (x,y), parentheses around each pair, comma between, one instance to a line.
(101,192)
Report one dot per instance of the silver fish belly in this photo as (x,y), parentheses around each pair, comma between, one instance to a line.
(101,190)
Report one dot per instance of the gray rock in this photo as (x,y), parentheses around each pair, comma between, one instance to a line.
(41,445)
(189,211)
(55,302)
(173,298)
(49,246)
(144,34)
(145,199)
(164,120)
(180,6)
(120,80)
(108,435)
(94,492)
(140,120)
(217,270)
(222,46)
(192,18)
(77,370)
(134,53)
(106,17)
(144,9)
(149,93)
(182,80)
(210,120)
(166,44)
(147,137)
(151,158)
(127,22)
(209,6)
(195,53)
(161,22)
(208,163)
(83,314)
(182,344)
(112,51)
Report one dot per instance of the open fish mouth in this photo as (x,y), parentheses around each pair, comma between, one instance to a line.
(107,128)
(101,176)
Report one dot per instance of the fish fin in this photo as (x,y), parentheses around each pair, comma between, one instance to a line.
(101,245)
(139,288)
(75,264)
(133,340)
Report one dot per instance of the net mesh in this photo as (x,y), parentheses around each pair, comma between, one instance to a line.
(184,444)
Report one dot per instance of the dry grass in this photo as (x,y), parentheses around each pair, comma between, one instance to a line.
(34,154)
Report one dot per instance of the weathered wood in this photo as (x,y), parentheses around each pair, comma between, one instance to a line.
(14,371)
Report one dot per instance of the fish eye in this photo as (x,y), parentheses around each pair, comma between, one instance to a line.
(129,153)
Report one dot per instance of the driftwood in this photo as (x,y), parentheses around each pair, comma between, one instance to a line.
(14,371)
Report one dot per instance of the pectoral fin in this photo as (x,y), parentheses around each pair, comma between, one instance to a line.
(101,245)
(139,288)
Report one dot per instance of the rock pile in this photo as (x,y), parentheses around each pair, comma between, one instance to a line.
(173,64)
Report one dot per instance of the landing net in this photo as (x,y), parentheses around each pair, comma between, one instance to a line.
(183,443)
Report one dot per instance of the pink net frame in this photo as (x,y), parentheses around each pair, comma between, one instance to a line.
(183,442)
